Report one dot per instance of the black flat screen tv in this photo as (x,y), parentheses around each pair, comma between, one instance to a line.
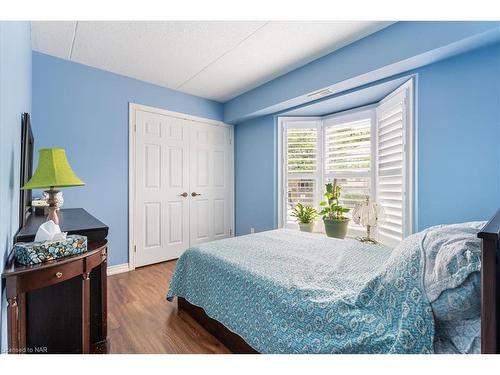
(27,146)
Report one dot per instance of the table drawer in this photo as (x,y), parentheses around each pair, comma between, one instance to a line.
(49,276)
(95,259)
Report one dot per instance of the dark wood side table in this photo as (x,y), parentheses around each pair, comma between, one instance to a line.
(71,220)
(59,306)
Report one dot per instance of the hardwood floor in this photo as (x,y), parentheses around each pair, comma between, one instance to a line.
(141,320)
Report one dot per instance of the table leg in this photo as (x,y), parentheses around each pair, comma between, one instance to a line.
(12,325)
(22,321)
(104,298)
(86,313)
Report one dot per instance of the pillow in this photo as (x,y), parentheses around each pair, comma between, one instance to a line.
(453,285)
(452,253)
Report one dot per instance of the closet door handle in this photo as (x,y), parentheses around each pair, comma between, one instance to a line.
(184,194)
(193,194)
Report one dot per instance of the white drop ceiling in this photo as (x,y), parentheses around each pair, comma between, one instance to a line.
(217,60)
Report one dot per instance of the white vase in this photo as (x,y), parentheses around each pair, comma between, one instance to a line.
(309,227)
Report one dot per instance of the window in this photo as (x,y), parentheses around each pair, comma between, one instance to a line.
(301,165)
(348,157)
(366,150)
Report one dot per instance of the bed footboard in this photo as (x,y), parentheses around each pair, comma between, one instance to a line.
(490,286)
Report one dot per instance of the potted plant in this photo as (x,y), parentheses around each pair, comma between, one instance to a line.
(333,212)
(305,216)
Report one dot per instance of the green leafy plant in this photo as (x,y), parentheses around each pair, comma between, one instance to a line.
(332,210)
(304,214)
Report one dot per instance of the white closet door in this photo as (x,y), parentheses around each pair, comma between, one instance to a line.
(161,177)
(210,182)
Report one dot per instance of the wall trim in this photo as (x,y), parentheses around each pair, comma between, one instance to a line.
(118,268)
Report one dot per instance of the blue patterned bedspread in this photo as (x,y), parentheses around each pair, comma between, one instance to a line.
(286,291)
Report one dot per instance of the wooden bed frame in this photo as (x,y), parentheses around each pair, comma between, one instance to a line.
(490,299)
(230,339)
(490,286)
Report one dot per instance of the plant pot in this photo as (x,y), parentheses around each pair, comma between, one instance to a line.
(306,227)
(336,228)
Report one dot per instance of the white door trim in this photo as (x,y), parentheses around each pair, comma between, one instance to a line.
(131,186)
(133,107)
(181,115)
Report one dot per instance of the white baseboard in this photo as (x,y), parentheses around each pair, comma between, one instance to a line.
(119,268)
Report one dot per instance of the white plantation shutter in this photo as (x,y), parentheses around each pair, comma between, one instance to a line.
(391,167)
(367,150)
(354,190)
(348,147)
(302,155)
(300,190)
(348,155)
(301,166)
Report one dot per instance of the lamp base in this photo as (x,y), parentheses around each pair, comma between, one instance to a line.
(367,240)
(52,201)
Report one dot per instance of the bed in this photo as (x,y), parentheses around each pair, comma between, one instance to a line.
(285,291)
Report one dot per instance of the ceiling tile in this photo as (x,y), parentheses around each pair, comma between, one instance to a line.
(273,50)
(164,53)
(52,37)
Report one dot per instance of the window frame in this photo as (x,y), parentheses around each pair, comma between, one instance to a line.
(346,116)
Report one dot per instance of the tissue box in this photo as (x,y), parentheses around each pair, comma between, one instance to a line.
(38,252)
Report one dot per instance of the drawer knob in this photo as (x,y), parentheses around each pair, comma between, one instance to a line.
(58,275)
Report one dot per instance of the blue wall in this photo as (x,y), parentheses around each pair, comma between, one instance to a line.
(458,136)
(85,110)
(255,175)
(15,98)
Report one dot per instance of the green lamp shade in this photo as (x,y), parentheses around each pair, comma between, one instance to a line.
(53,170)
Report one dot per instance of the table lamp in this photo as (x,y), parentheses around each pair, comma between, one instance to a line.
(53,171)
(368,214)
